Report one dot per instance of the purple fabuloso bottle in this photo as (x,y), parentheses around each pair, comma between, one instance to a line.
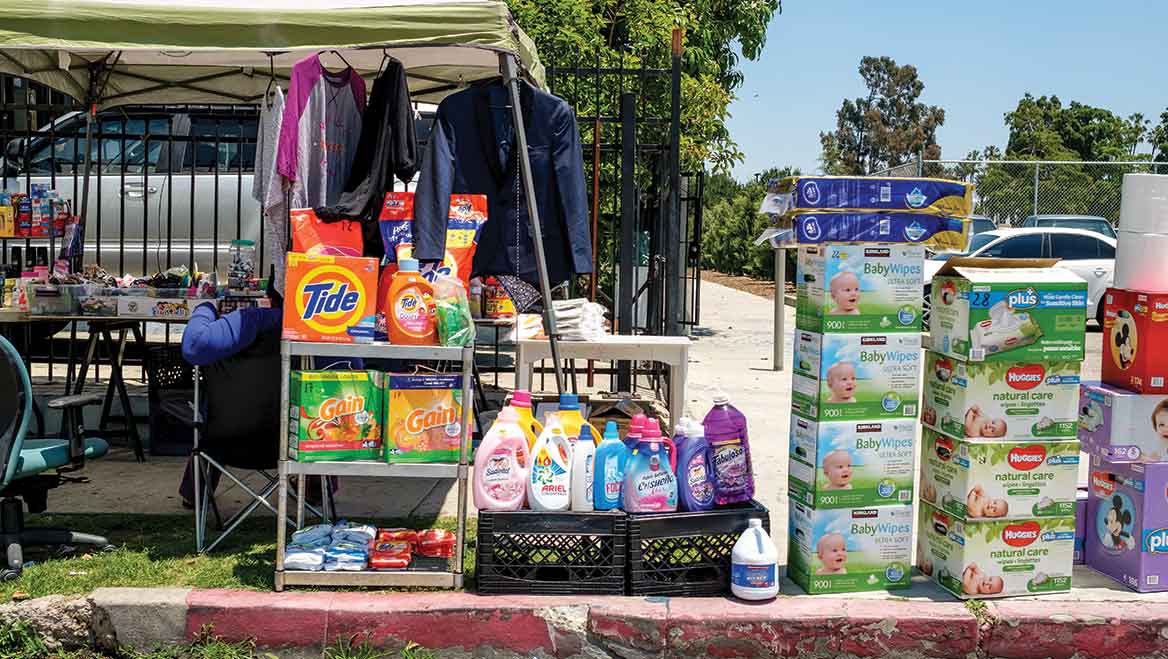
(730,450)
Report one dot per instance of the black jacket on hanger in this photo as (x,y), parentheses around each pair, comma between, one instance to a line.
(388,147)
(472,151)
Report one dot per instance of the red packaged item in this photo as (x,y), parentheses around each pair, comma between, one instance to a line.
(398,535)
(390,556)
(311,235)
(436,543)
(1135,329)
(23,206)
(465,220)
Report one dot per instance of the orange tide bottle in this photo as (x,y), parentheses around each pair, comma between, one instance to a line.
(410,307)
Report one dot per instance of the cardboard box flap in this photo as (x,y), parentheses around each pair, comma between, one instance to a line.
(985,263)
(1054,275)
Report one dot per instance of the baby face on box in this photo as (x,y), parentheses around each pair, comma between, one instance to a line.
(852,549)
(1122,426)
(856,376)
(861,288)
(849,464)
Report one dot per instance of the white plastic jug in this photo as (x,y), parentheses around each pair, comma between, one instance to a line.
(549,480)
(754,565)
(583,462)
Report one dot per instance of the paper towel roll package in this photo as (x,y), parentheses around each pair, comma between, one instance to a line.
(1144,208)
(1141,262)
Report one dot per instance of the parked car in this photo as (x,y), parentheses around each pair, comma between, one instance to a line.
(981,224)
(1099,225)
(1086,253)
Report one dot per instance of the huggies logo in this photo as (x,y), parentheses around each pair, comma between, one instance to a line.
(1025,459)
(1020,535)
(1024,378)
(1101,484)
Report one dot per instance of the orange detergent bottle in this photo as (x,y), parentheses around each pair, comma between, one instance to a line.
(409,307)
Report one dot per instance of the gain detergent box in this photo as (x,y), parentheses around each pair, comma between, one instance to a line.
(423,418)
(989,309)
(1127,523)
(851,549)
(999,480)
(843,377)
(851,464)
(330,299)
(334,416)
(850,289)
(1001,400)
(986,558)
(915,195)
(1121,426)
(1135,329)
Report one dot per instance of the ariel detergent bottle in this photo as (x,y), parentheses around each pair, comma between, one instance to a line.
(583,461)
(572,421)
(608,477)
(549,484)
(730,450)
(521,401)
(650,483)
(694,473)
(501,461)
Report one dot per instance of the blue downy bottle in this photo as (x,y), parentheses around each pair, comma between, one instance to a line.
(695,477)
(609,472)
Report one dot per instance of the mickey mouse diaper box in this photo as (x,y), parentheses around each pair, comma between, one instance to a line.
(1127,523)
(1135,331)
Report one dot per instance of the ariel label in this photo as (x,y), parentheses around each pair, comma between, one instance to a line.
(841,377)
(548,476)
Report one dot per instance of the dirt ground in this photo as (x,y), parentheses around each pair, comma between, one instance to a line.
(760,287)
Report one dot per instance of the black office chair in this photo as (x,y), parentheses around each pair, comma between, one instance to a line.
(32,467)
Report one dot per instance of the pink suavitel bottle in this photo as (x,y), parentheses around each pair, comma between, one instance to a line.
(726,434)
(501,464)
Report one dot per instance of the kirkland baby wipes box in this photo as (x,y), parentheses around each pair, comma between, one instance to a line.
(841,377)
(916,195)
(849,289)
(850,550)
(1127,523)
(940,234)
(1008,310)
(334,415)
(1000,400)
(1006,480)
(987,558)
(1122,426)
(850,464)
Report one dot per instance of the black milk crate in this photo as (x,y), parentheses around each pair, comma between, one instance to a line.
(687,554)
(541,553)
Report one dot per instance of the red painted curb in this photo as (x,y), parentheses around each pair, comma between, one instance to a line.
(273,619)
(1064,629)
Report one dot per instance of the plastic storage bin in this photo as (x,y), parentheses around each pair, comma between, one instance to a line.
(55,300)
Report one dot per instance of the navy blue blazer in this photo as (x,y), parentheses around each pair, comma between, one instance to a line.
(472,151)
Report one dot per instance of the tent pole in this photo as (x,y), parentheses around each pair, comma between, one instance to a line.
(510,70)
(84,210)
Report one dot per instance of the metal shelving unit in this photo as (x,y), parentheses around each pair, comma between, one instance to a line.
(435,575)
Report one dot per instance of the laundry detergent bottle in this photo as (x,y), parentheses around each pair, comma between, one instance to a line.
(636,427)
(572,421)
(754,565)
(608,475)
(650,482)
(521,401)
(410,316)
(695,477)
(583,464)
(501,463)
(549,484)
(730,452)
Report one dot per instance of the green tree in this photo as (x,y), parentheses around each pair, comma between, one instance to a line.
(886,128)
(731,223)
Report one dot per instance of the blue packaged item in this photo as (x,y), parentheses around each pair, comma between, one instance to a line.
(609,472)
(869,193)
(311,535)
(695,473)
(346,531)
(303,558)
(941,234)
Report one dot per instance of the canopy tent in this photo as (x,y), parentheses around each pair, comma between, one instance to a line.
(107,53)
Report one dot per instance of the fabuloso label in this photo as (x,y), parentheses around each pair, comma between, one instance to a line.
(981,559)
(850,550)
(840,377)
(1003,480)
(1001,400)
(849,464)
(847,289)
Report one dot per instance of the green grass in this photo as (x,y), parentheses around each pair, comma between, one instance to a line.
(158,551)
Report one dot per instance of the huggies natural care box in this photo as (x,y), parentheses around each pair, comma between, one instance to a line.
(843,377)
(850,464)
(851,549)
(848,289)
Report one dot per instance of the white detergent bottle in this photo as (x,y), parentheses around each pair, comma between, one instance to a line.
(754,565)
(549,480)
(583,461)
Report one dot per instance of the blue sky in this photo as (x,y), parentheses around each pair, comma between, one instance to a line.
(975,58)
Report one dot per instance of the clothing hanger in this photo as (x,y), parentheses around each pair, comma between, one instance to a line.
(271,81)
(338,54)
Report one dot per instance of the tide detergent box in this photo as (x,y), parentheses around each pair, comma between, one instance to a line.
(941,234)
(1121,426)
(852,464)
(851,549)
(330,299)
(851,289)
(986,309)
(999,480)
(1135,331)
(423,418)
(845,377)
(334,416)
(1127,523)
(1001,400)
(976,559)
(915,195)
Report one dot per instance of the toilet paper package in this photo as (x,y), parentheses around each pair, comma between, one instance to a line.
(938,233)
(869,193)
(1127,523)
(1001,400)
(850,289)
(986,309)
(842,377)
(1121,426)
(850,550)
(1144,206)
(1140,263)
(995,558)
(975,479)
(1135,331)
(848,464)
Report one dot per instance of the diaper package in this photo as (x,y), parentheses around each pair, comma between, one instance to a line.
(850,550)
(841,377)
(978,559)
(851,464)
(941,234)
(1127,523)
(849,289)
(423,418)
(1121,426)
(999,480)
(1000,400)
(1008,310)
(870,193)
(1081,496)
(1135,329)
(334,416)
